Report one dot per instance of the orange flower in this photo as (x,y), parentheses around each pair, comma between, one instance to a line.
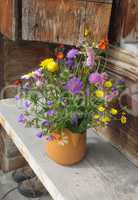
(60,55)
(103,44)
(56,136)
(17,82)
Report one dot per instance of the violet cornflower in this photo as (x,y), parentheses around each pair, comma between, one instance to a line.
(17,97)
(22,118)
(40,134)
(26,104)
(50,103)
(70,63)
(73,53)
(46,123)
(74,85)
(51,113)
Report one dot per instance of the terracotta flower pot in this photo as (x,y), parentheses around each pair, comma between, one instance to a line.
(67,150)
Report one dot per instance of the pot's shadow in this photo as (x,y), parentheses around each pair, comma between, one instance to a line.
(102,154)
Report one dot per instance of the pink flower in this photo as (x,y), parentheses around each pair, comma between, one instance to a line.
(96,78)
(39,83)
(91,57)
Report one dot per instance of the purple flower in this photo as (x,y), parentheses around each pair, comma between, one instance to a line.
(91,57)
(95,78)
(115,93)
(17,97)
(46,123)
(22,118)
(74,85)
(38,73)
(51,113)
(88,92)
(40,134)
(70,63)
(72,53)
(26,104)
(50,103)
(114,89)
(109,97)
(75,119)
(50,138)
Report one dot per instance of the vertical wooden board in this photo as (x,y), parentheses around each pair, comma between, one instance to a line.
(97,19)
(1,62)
(52,21)
(130,31)
(63,21)
(124,21)
(7,18)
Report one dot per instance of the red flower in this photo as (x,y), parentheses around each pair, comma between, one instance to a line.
(17,82)
(103,44)
(60,55)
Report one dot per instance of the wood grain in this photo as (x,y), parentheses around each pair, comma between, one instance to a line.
(104,174)
(61,21)
(124,21)
(8,18)
(18,58)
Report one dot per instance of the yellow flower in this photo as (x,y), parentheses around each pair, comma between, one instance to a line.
(105,119)
(86,32)
(123,113)
(45,62)
(52,66)
(28,76)
(123,120)
(108,84)
(99,93)
(101,108)
(96,116)
(114,111)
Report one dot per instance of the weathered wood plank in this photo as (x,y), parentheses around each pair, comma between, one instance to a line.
(63,21)
(1,62)
(8,18)
(18,58)
(125,140)
(104,174)
(124,21)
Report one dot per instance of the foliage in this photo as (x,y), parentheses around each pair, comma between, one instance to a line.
(70,91)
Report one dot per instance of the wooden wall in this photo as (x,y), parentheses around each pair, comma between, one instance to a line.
(57,21)
(122,64)
(17,58)
(124,21)
(8,18)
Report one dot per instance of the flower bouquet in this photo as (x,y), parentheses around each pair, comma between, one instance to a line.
(65,96)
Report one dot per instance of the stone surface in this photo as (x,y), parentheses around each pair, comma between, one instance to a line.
(103,174)
(9,164)
(7,183)
(9,149)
